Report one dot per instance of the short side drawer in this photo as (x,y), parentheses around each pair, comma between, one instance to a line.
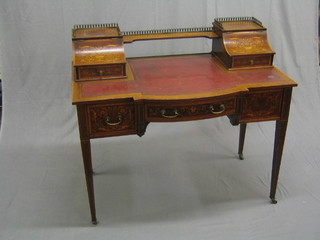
(252,61)
(111,119)
(101,72)
(262,105)
(193,110)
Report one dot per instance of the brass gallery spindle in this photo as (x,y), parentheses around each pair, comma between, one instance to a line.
(131,36)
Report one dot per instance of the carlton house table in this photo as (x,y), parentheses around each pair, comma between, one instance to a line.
(115,95)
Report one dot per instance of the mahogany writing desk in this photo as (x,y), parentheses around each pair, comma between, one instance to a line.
(181,88)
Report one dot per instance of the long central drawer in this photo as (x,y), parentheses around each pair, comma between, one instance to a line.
(189,110)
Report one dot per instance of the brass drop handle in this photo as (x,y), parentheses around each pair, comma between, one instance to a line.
(222,108)
(164,114)
(107,121)
(101,73)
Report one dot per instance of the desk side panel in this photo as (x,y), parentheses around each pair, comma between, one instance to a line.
(263,105)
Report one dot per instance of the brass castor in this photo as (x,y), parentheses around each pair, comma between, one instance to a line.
(274,201)
(94,222)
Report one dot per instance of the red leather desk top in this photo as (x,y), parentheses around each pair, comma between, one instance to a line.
(179,77)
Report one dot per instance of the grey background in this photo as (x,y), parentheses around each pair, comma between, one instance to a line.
(180,180)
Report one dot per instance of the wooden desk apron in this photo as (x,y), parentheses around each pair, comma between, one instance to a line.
(180,88)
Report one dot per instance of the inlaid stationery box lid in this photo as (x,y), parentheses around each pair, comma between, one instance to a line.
(94,31)
(98,52)
(242,43)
